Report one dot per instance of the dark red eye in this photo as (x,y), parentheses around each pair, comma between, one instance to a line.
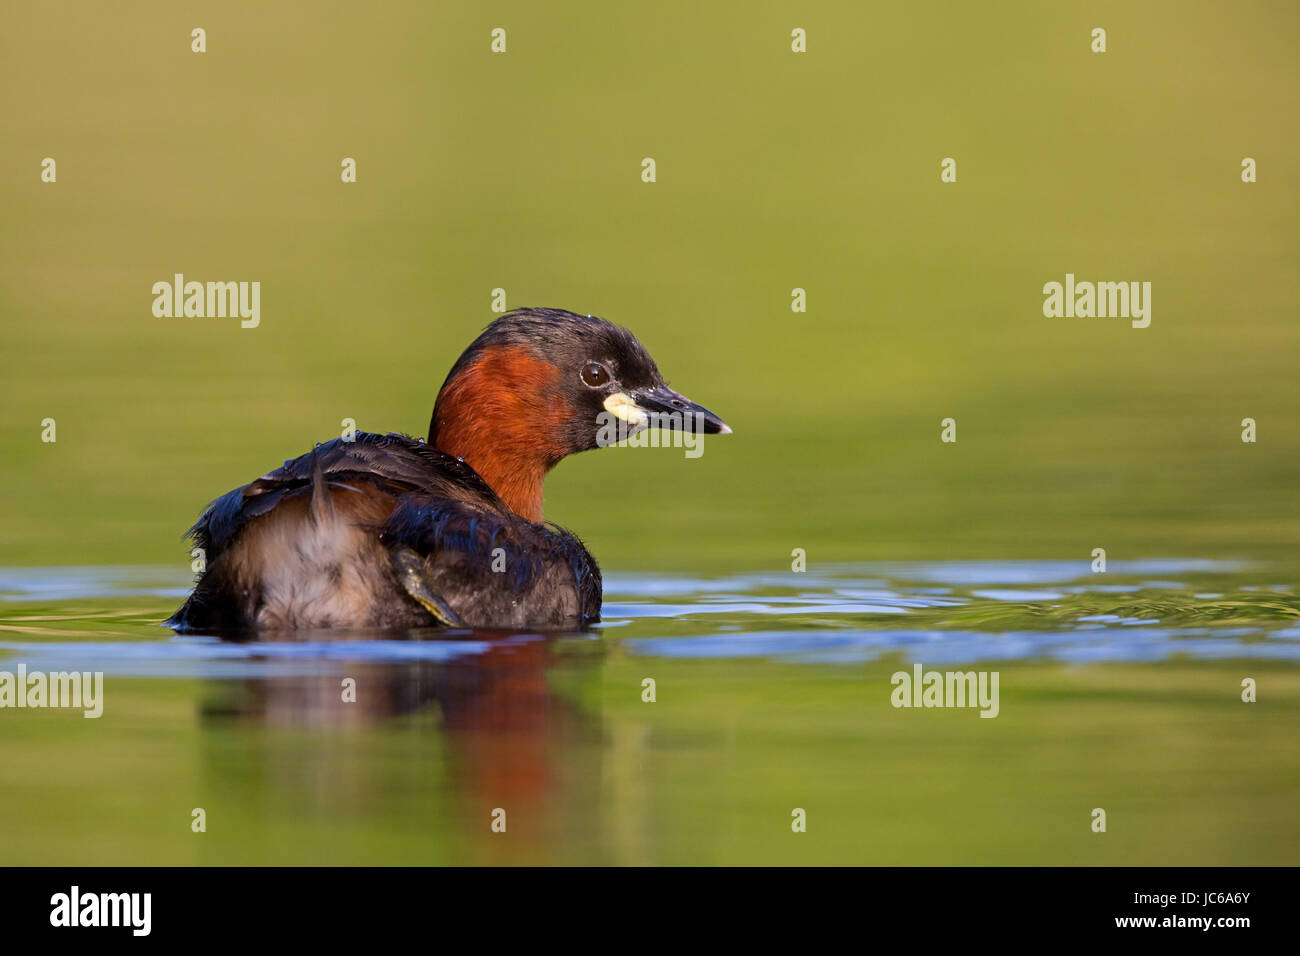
(595,375)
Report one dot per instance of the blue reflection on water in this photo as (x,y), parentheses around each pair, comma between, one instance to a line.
(844,613)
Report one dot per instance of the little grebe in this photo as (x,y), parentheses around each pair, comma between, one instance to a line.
(391,531)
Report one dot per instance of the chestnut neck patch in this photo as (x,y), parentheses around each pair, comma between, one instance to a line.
(504,413)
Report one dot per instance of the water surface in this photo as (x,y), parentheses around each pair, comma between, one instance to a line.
(772,692)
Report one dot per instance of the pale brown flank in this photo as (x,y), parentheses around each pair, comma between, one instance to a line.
(503,414)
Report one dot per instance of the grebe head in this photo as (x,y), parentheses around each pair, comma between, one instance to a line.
(540,384)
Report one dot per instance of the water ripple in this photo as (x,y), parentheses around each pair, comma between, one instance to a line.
(956,611)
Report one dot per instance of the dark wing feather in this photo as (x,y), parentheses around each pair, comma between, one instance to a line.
(395,463)
(548,573)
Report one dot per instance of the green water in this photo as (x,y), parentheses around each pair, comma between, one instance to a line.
(772,693)
(818,171)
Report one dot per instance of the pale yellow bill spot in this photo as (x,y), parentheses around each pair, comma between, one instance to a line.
(622,407)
